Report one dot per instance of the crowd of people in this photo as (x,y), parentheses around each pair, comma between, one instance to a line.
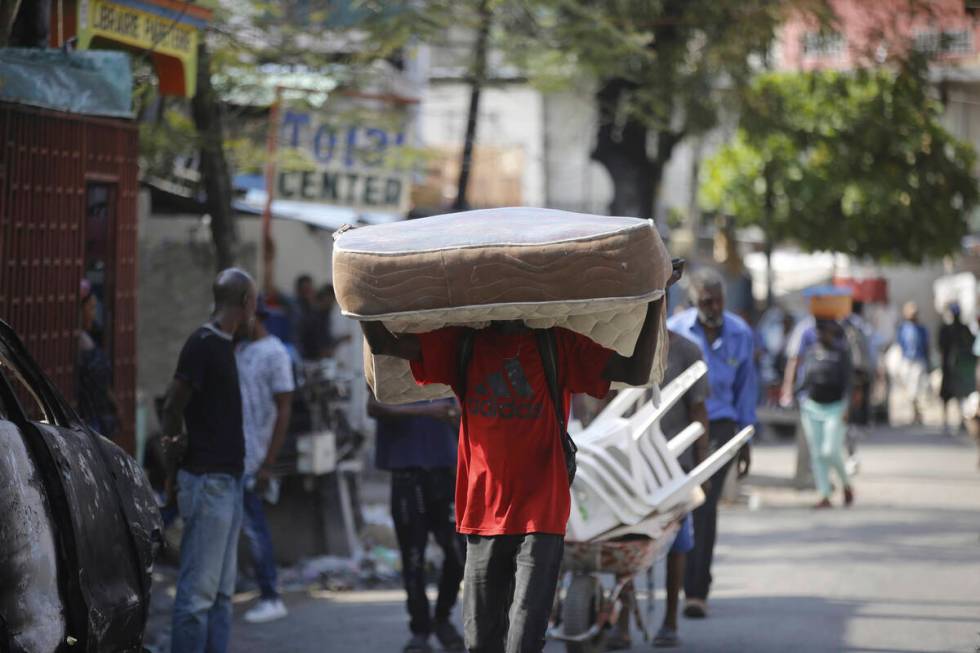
(492,487)
(224,420)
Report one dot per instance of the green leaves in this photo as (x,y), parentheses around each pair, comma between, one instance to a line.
(856,162)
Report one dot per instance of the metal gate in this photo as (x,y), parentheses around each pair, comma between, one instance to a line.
(48,159)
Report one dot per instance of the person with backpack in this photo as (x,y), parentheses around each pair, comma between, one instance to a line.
(515,458)
(825,393)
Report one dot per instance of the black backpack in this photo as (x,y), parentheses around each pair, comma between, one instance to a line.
(548,349)
(825,375)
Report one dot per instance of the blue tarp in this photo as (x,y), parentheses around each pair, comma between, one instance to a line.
(91,82)
(828,291)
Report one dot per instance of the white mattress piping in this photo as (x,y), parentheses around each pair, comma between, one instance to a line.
(648,297)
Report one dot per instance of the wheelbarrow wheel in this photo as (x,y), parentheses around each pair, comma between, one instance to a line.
(580,611)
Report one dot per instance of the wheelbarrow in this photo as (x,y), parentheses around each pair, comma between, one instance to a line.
(588,608)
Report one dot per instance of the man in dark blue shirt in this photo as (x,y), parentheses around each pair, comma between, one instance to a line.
(728,346)
(204,398)
(417,444)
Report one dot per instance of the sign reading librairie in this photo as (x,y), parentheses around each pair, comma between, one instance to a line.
(139,28)
(171,35)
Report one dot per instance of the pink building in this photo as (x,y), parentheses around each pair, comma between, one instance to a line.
(867,32)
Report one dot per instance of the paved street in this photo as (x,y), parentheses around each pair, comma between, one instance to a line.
(898,572)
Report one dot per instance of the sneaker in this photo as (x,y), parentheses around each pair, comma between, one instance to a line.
(449,637)
(695,609)
(266,610)
(823,504)
(848,496)
(418,644)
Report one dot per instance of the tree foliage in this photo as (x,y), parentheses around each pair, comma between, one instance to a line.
(856,162)
(663,70)
(657,70)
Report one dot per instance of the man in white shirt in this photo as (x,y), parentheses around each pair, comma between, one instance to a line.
(265,374)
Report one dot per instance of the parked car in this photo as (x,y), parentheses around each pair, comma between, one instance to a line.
(79,528)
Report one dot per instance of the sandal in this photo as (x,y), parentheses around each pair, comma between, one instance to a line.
(666,638)
(618,642)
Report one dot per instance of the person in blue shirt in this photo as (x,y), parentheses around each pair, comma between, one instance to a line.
(417,444)
(728,346)
(913,340)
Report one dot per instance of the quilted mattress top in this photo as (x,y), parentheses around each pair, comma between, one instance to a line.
(483,228)
(498,257)
(591,274)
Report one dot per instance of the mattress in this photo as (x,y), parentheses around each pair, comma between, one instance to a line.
(591,274)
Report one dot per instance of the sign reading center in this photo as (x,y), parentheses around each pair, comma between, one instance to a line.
(353,164)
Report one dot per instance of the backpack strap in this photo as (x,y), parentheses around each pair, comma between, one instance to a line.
(548,349)
(465,356)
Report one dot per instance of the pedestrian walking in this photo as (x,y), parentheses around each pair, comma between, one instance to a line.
(417,444)
(205,397)
(958,364)
(265,374)
(728,346)
(515,458)
(690,408)
(913,342)
(828,377)
(858,334)
(96,400)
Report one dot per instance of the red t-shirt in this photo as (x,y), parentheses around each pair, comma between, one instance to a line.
(511,472)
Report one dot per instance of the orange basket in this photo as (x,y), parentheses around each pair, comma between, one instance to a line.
(831,307)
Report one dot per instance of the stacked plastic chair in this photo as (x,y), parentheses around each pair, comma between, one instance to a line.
(628,473)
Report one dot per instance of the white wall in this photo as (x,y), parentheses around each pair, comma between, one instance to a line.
(175,299)
(510,116)
(573,180)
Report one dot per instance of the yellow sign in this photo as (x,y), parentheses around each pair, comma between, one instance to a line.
(118,22)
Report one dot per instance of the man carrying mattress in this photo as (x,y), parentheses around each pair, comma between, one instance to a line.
(512,496)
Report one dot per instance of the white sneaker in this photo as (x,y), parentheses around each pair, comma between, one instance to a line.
(266,610)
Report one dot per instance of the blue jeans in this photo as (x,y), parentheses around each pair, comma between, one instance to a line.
(211,508)
(260,544)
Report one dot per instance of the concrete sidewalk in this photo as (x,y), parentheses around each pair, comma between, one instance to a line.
(900,571)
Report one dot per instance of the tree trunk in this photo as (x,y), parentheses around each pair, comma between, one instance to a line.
(479,74)
(770,297)
(621,148)
(8,14)
(769,201)
(215,174)
(25,24)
